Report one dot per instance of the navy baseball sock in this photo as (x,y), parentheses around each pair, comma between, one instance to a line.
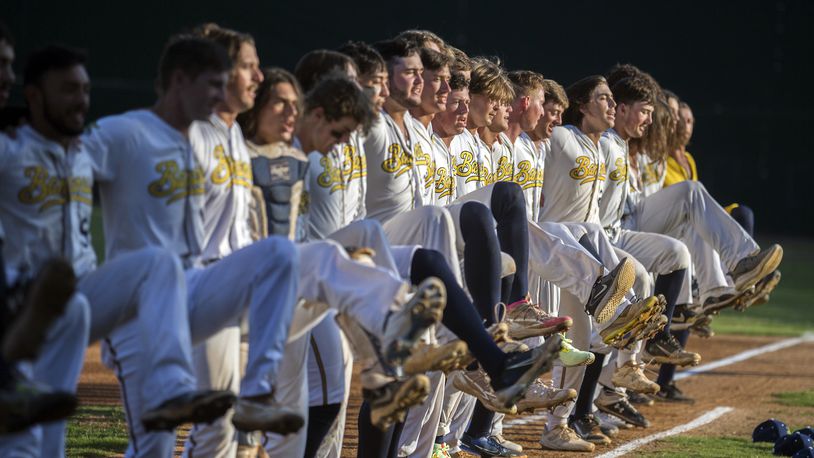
(320,420)
(588,388)
(670,286)
(373,442)
(482,265)
(481,423)
(668,371)
(509,210)
(745,217)
(460,315)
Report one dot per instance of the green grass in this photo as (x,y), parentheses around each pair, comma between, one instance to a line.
(790,312)
(795,398)
(717,447)
(97,431)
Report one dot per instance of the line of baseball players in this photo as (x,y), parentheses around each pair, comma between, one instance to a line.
(241,208)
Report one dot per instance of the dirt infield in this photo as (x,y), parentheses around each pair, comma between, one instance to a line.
(746,386)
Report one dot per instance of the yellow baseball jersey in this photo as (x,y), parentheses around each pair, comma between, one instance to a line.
(676,173)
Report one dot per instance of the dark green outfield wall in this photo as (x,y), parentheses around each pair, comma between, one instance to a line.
(745,67)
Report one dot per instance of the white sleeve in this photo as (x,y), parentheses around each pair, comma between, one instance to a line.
(375,141)
(104,142)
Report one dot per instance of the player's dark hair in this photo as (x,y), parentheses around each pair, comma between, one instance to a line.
(579,94)
(458,81)
(339,97)
(5,34)
(231,40)
(434,60)
(318,63)
(633,89)
(367,59)
(462,62)
(51,57)
(421,37)
(192,55)
(554,92)
(395,48)
(271,77)
(622,71)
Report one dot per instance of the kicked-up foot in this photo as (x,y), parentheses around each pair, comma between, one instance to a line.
(193,407)
(634,318)
(389,401)
(667,350)
(609,291)
(446,358)
(403,329)
(751,269)
(24,404)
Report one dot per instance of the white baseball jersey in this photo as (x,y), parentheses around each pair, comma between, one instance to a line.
(574,171)
(529,165)
(152,187)
(503,161)
(46,202)
(444,180)
(424,159)
(473,162)
(652,174)
(336,184)
(614,202)
(391,174)
(221,151)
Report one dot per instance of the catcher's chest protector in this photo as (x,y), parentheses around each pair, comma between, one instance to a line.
(280,181)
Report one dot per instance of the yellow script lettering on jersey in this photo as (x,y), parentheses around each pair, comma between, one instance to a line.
(353,167)
(424,159)
(228,170)
(50,191)
(444,183)
(398,161)
(619,174)
(503,171)
(176,183)
(586,170)
(528,176)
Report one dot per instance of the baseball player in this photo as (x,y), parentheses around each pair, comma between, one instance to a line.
(51,220)
(24,326)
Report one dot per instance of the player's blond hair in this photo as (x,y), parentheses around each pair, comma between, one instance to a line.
(525,82)
(554,92)
(490,80)
(422,37)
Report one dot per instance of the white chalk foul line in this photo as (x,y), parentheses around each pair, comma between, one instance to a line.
(700,369)
(708,417)
(744,356)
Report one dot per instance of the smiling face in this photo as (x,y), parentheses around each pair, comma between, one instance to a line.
(406,82)
(278,117)
(600,111)
(500,122)
(59,102)
(452,120)
(534,110)
(551,118)
(482,111)
(436,90)
(632,120)
(244,79)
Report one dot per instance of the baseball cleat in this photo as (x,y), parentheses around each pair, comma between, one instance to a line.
(528,320)
(562,437)
(446,358)
(759,292)
(486,446)
(476,383)
(715,304)
(193,407)
(264,416)
(609,291)
(45,300)
(389,402)
(671,393)
(507,444)
(588,429)
(640,399)
(751,269)
(620,408)
(541,395)
(522,369)
(403,329)
(667,350)
(632,320)
(571,356)
(631,376)
(24,404)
